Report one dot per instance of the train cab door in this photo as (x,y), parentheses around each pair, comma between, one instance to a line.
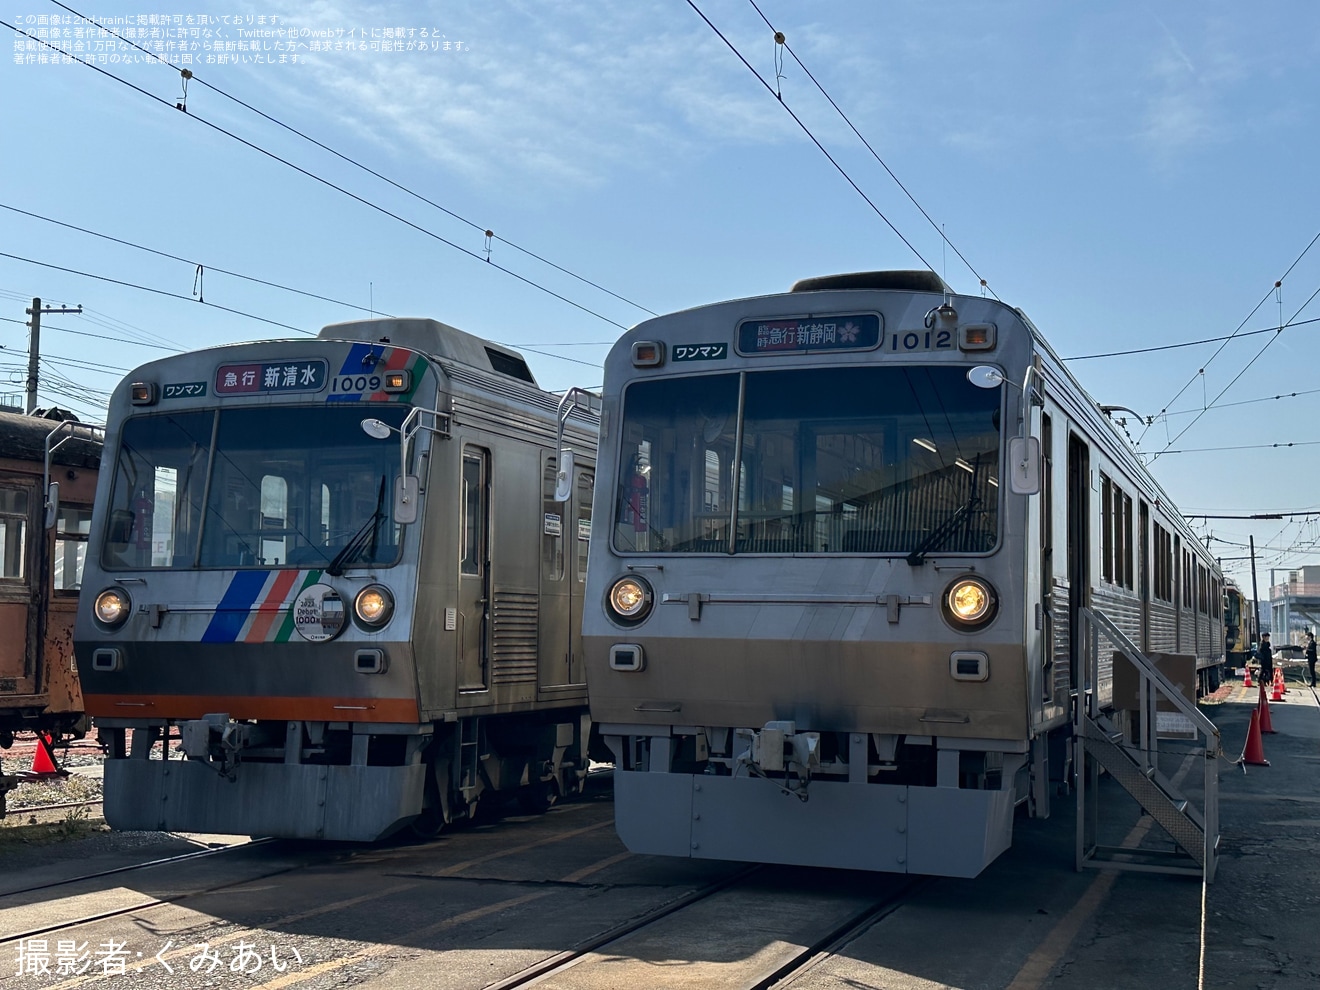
(554,656)
(20,536)
(583,486)
(1079,543)
(474,579)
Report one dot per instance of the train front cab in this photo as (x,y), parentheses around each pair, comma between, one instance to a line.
(339,653)
(843,536)
(809,636)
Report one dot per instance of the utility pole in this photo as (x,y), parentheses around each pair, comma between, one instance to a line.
(1255,595)
(34,347)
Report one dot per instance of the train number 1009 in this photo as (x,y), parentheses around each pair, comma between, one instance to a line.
(921,340)
(356,383)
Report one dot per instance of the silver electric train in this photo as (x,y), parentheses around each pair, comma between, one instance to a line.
(337,571)
(840,545)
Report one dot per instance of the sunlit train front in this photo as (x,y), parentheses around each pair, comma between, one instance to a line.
(807,635)
(291,568)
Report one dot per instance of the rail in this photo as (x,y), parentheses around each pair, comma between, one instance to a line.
(1159,796)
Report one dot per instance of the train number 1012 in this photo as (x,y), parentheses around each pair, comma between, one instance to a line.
(921,340)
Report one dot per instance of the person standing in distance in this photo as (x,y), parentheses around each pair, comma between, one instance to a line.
(1265,654)
(1310,656)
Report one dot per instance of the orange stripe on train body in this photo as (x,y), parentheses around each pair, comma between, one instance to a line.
(186,706)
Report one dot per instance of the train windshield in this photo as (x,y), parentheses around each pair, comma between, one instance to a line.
(252,487)
(888,459)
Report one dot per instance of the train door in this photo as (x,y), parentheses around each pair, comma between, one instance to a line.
(1143,572)
(1047,593)
(474,579)
(581,512)
(20,535)
(556,622)
(1079,542)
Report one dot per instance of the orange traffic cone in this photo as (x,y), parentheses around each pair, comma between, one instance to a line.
(1246,679)
(1253,751)
(1276,689)
(1283,681)
(41,761)
(1263,706)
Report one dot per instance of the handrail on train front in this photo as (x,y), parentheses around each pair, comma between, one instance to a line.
(94,434)
(1094,623)
(574,398)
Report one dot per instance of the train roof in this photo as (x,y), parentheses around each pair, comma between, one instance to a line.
(23,438)
(436,339)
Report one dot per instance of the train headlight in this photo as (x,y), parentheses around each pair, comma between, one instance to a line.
(629,600)
(970,602)
(373,606)
(111,607)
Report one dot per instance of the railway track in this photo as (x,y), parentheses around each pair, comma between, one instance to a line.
(148,902)
(609,960)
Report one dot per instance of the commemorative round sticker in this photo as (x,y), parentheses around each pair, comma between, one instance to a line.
(318,613)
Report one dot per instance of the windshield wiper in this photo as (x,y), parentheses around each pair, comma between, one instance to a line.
(360,539)
(918,556)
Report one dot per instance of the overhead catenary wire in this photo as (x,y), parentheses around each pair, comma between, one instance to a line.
(126,333)
(874,154)
(365,168)
(188,261)
(1185,343)
(1245,368)
(152,289)
(807,131)
(327,183)
(1277,284)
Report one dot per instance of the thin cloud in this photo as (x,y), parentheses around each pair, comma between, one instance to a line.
(527,97)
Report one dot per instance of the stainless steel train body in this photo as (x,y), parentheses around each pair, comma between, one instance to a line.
(822,626)
(334,565)
(47,479)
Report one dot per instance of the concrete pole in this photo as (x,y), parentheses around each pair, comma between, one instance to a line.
(34,355)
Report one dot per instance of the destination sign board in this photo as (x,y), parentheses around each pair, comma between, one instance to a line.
(856,332)
(270,376)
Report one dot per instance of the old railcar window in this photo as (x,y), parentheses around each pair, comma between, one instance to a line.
(474,528)
(13,533)
(71,531)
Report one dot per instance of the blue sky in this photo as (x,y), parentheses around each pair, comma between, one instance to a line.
(1130,174)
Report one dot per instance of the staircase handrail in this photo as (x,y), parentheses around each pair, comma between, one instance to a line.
(1153,673)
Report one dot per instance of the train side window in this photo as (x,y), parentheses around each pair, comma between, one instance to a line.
(583,534)
(1106,528)
(71,530)
(1127,543)
(552,526)
(13,533)
(474,496)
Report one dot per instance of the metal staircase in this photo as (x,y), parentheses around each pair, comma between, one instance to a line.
(1102,743)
